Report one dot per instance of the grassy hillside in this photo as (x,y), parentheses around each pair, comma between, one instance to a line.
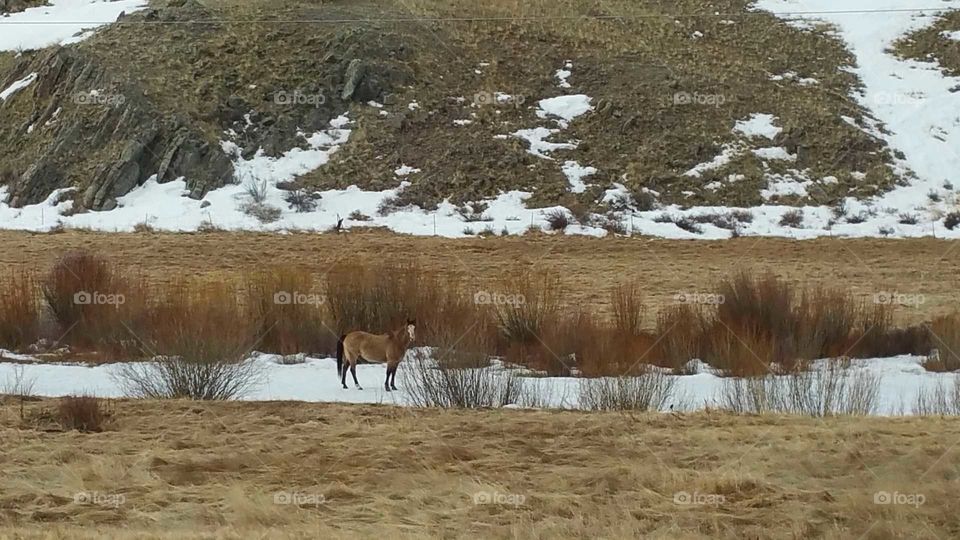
(220,66)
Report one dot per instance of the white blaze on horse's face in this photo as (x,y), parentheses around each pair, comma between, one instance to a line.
(410,332)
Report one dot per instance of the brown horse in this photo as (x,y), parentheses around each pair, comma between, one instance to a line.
(388,348)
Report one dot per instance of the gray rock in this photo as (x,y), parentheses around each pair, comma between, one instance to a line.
(352,78)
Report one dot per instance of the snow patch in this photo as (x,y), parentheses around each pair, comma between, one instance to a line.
(61,22)
(758,125)
(17,86)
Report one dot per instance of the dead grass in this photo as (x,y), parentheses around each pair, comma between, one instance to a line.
(744,324)
(186,470)
(81,413)
(587,266)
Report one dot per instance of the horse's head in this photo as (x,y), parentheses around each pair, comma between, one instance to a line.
(411,329)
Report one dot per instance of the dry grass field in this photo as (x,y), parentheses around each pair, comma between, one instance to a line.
(589,267)
(180,469)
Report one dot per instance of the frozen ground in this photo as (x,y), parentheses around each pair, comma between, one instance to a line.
(899,380)
(911,101)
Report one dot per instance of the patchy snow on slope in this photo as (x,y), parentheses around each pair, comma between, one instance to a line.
(563,74)
(405,170)
(16,86)
(758,125)
(955,35)
(61,22)
(564,108)
(726,155)
(774,153)
(910,98)
(575,174)
(538,145)
(295,162)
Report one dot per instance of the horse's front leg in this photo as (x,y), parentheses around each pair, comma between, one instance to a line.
(386,382)
(392,375)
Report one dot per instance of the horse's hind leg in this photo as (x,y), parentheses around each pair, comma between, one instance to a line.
(343,373)
(386,383)
(353,371)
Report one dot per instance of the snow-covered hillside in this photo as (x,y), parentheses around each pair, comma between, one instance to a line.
(914,105)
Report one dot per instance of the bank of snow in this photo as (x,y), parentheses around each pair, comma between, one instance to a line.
(900,380)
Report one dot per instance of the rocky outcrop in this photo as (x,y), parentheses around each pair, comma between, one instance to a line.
(100,135)
(13,6)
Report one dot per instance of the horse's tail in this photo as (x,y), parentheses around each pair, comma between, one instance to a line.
(340,355)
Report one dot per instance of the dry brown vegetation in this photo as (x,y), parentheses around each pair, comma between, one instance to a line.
(239,470)
(588,267)
(743,324)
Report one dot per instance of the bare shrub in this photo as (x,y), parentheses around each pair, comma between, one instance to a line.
(792,218)
(289,307)
(19,385)
(265,213)
(755,395)
(200,340)
(908,219)
(81,413)
(558,220)
(91,300)
(680,330)
(143,228)
(357,215)
(952,220)
(301,201)
(256,190)
(829,390)
(740,351)
(457,380)
(941,400)
(648,391)
(626,300)
(945,338)
(375,298)
(19,311)
(613,225)
(536,303)
(787,325)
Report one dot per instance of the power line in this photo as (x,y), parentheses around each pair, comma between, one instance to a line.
(533,18)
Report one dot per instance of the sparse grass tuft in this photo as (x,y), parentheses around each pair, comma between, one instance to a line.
(81,413)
